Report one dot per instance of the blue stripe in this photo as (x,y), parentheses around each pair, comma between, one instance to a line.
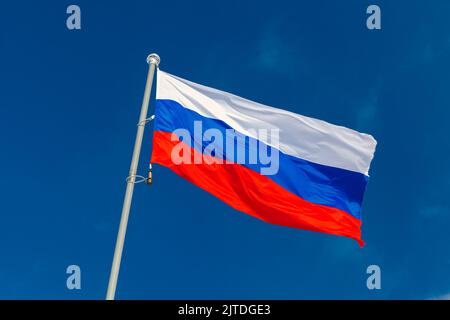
(316,183)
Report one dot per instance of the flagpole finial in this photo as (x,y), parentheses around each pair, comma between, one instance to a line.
(153,58)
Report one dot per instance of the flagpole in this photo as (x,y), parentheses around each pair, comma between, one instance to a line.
(153,62)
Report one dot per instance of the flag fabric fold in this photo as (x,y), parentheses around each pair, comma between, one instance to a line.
(275,165)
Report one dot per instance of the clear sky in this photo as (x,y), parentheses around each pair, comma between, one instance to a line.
(69,104)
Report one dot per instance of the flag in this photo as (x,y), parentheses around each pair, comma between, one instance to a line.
(275,165)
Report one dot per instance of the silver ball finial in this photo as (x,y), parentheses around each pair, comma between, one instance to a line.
(153,58)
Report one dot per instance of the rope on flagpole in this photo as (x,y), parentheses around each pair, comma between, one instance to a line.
(145,121)
(155,59)
(135,178)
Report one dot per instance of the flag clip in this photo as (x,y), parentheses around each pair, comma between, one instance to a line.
(149,179)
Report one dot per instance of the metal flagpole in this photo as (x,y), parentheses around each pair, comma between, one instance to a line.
(153,61)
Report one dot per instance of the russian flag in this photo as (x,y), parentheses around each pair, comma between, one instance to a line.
(275,165)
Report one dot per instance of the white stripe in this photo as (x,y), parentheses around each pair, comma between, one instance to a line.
(303,137)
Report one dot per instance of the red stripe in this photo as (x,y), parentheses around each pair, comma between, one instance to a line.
(255,194)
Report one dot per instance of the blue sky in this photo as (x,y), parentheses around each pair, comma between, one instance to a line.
(69,103)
